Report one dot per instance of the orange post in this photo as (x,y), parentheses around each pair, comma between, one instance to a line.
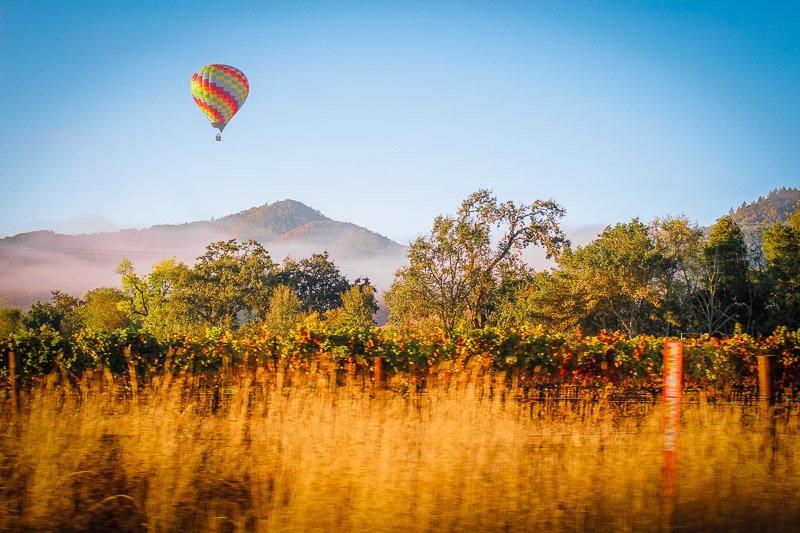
(377,374)
(672,391)
(766,393)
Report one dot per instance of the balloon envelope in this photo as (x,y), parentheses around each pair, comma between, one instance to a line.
(219,91)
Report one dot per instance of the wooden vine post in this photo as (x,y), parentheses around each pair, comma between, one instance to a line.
(377,374)
(350,376)
(766,392)
(126,351)
(15,373)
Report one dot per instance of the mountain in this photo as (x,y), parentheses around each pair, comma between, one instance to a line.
(774,209)
(32,264)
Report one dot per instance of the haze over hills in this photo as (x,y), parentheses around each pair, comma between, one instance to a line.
(32,264)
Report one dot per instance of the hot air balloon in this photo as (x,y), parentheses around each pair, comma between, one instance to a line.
(219,91)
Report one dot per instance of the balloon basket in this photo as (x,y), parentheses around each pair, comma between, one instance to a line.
(219,137)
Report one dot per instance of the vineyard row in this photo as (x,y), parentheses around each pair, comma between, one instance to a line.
(607,357)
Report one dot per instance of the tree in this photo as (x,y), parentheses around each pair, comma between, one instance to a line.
(357,309)
(455,271)
(407,312)
(549,299)
(316,280)
(104,308)
(285,309)
(617,280)
(157,302)
(10,320)
(726,296)
(229,284)
(62,313)
(782,274)
(680,242)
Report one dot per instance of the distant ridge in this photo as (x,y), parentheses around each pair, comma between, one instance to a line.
(280,224)
(774,209)
(270,221)
(262,223)
(34,262)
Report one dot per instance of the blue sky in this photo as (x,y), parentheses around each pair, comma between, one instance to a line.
(387,114)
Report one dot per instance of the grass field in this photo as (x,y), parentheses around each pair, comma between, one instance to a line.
(311,458)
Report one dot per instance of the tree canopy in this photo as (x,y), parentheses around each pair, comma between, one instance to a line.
(665,277)
(456,272)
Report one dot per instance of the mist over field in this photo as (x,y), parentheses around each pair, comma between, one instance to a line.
(32,264)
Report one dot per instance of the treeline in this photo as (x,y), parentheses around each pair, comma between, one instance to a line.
(663,278)
(233,285)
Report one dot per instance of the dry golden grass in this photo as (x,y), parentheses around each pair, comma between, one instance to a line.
(311,459)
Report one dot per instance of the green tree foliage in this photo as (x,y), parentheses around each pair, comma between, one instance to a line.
(407,312)
(457,271)
(316,280)
(285,310)
(158,302)
(62,313)
(782,274)
(618,279)
(633,277)
(357,309)
(104,308)
(663,278)
(10,320)
(726,295)
(229,284)
(680,242)
(549,299)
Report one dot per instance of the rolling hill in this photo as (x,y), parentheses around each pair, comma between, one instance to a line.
(32,264)
(774,209)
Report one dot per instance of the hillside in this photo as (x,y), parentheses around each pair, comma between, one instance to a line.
(774,209)
(33,263)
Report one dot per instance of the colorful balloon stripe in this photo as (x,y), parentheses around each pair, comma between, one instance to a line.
(219,91)
(212,114)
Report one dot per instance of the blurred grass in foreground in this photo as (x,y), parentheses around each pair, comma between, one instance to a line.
(316,459)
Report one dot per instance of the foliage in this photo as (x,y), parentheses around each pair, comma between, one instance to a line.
(10,320)
(620,277)
(229,283)
(726,295)
(316,280)
(61,313)
(680,242)
(456,272)
(765,212)
(664,278)
(357,309)
(782,274)
(585,360)
(104,308)
(284,311)
(155,302)
(618,281)
(39,349)
(549,299)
